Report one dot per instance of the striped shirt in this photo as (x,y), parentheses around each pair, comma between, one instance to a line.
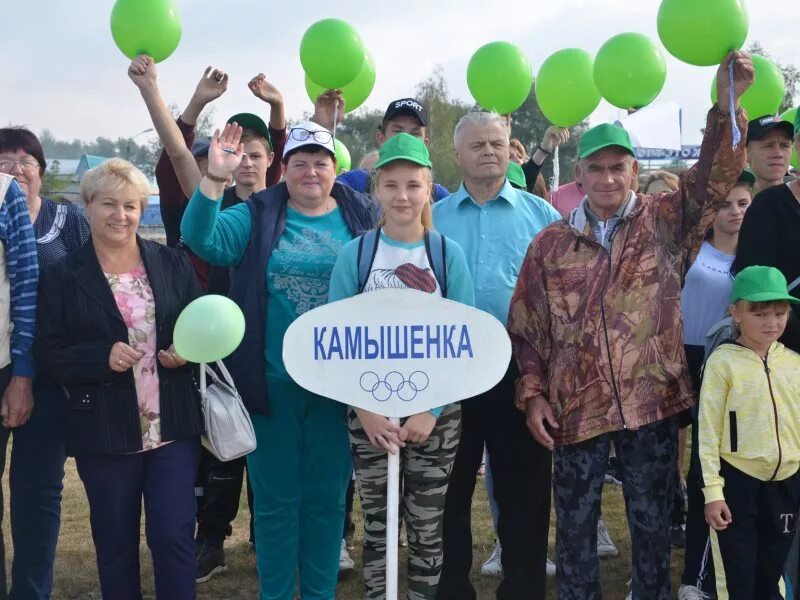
(16,234)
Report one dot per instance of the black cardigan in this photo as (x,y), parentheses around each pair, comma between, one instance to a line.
(770,237)
(79,322)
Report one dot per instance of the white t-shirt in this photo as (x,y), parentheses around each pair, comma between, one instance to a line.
(399,265)
(706,293)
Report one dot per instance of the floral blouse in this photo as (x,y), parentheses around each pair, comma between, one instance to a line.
(134,299)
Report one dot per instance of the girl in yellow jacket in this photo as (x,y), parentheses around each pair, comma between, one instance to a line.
(749,437)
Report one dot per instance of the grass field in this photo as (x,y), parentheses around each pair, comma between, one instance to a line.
(76,572)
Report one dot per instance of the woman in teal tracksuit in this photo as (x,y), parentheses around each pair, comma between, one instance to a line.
(281,246)
(404,253)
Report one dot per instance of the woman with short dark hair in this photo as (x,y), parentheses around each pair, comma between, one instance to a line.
(37,455)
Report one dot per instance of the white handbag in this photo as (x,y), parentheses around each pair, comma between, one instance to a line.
(229,431)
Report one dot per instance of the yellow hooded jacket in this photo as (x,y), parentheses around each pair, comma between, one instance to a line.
(749,415)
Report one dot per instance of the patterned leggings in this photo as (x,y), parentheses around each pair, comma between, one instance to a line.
(424,470)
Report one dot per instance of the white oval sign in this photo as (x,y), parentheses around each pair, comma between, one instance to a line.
(396,352)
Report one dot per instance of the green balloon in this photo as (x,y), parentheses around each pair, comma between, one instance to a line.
(354,93)
(151,27)
(629,70)
(565,88)
(332,53)
(702,32)
(343,160)
(764,97)
(208,329)
(790,115)
(499,77)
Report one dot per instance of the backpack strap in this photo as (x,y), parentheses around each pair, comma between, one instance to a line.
(367,248)
(795,282)
(437,256)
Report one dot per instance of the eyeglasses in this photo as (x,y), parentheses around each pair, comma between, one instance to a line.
(27,166)
(301,135)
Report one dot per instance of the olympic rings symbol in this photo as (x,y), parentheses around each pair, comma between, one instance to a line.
(394,383)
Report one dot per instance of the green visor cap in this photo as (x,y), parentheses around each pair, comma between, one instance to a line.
(403,146)
(603,136)
(761,284)
(516,176)
(254,123)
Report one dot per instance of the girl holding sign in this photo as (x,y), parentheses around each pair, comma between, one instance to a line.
(404,253)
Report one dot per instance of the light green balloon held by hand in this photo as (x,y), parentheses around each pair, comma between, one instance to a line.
(629,70)
(151,27)
(354,93)
(702,32)
(332,53)
(499,77)
(208,329)
(565,88)
(764,97)
(343,160)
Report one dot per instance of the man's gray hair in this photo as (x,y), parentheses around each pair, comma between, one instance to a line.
(477,118)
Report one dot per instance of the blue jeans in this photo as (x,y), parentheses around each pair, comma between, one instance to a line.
(115,486)
(35,480)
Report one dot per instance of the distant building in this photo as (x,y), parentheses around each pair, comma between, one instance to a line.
(70,171)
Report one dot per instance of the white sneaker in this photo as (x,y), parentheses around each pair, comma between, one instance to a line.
(493,567)
(689,592)
(605,547)
(345,562)
(551,568)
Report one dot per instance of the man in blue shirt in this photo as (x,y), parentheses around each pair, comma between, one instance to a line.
(405,115)
(494,224)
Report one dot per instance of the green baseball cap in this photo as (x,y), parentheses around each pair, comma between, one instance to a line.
(403,146)
(761,284)
(516,176)
(603,136)
(254,123)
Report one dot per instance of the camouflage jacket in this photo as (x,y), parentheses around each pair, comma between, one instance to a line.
(599,335)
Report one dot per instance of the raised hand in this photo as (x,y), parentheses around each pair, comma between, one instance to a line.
(326,104)
(744,74)
(265,90)
(142,71)
(226,150)
(554,137)
(211,86)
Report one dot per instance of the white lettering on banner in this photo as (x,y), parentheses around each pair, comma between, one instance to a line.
(396,352)
(392,341)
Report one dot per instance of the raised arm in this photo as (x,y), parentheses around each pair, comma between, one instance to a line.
(142,72)
(553,138)
(265,90)
(703,187)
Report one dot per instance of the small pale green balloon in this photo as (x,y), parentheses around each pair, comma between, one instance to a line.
(208,329)
(629,70)
(332,53)
(790,116)
(354,93)
(343,160)
(565,88)
(764,97)
(151,27)
(499,77)
(702,32)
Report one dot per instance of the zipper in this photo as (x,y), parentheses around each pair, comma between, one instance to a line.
(775,411)
(608,343)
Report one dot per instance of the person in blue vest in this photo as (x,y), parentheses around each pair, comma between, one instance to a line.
(404,252)
(281,245)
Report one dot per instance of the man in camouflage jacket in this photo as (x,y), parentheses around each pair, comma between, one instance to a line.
(595,322)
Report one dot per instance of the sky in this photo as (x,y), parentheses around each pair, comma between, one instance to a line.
(62,71)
